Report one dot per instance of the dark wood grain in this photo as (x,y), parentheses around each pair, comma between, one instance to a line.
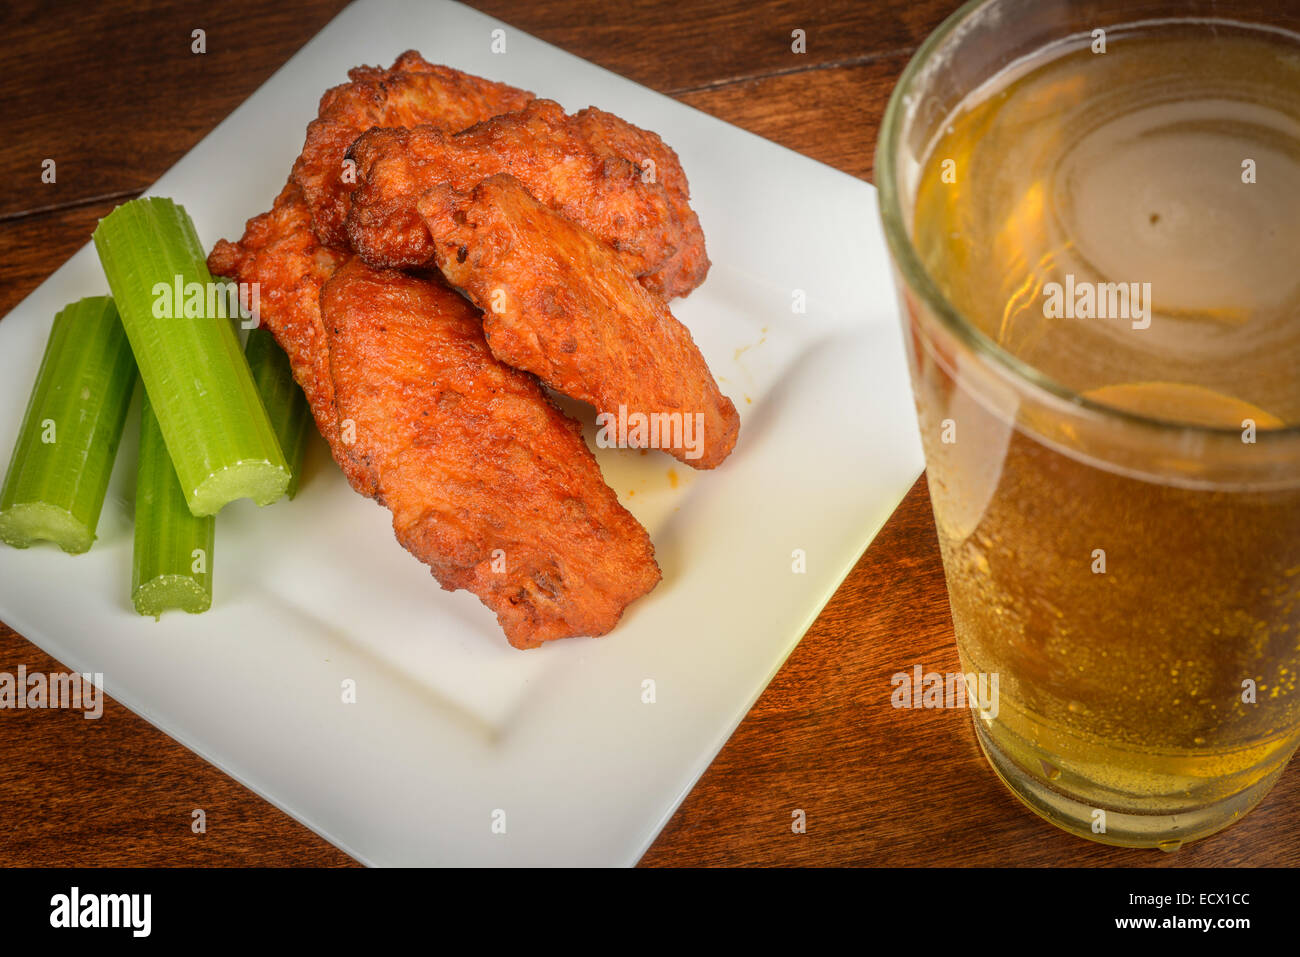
(800,110)
(676,48)
(114,94)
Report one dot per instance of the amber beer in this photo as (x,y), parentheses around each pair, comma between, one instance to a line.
(1108,399)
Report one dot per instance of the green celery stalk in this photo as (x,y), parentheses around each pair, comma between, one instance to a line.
(58,476)
(171,566)
(212,419)
(285,403)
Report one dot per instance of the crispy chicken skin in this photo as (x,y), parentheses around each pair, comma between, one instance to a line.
(620,182)
(280,252)
(410,92)
(295,247)
(561,304)
(488,482)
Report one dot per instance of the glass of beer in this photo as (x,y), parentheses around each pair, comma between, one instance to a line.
(1093,210)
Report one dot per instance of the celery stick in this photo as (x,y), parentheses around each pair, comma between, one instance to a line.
(54,489)
(172,563)
(212,419)
(285,404)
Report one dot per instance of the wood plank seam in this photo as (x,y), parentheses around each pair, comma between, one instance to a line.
(678,92)
(118,196)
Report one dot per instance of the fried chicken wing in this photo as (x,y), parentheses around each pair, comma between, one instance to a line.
(434,410)
(488,482)
(620,182)
(294,248)
(410,92)
(560,303)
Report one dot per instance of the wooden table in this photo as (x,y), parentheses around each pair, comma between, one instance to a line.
(116,97)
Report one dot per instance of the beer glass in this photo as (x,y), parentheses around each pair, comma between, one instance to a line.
(1091,209)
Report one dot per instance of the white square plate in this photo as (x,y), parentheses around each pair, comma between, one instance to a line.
(450,723)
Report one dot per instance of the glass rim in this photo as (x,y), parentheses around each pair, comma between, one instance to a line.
(918,277)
